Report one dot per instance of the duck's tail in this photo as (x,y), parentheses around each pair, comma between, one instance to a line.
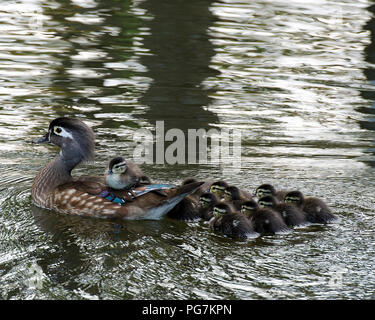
(175,195)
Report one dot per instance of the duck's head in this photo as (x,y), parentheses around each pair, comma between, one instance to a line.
(222,208)
(73,136)
(267,201)
(117,166)
(265,190)
(218,188)
(231,193)
(114,174)
(208,199)
(249,207)
(295,197)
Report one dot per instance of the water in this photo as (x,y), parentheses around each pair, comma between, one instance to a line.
(296,77)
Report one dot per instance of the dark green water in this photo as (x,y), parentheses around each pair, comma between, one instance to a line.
(296,77)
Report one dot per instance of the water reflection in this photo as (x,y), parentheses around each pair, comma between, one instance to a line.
(178,61)
(368,122)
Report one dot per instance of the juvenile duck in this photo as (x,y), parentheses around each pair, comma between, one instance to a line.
(236,196)
(317,211)
(218,188)
(121,174)
(290,213)
(54,187)
(188,208)
(205,205)
(269,190)
(265,220)
(231,224)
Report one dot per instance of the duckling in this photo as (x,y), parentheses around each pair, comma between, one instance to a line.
(269,190)
(231,224)
(218,187)
(236,196)
(56,189)
(291,214)
(265,220)
(206,203)
(121,174)
(188,208)
(317,211)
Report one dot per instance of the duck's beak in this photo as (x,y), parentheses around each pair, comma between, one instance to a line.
(43,139)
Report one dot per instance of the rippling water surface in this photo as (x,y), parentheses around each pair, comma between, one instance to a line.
(296,77)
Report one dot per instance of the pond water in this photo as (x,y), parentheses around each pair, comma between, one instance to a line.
(296,77)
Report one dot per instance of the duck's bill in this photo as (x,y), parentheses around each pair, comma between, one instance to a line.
(43,139)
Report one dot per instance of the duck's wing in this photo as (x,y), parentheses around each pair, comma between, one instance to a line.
(85,198)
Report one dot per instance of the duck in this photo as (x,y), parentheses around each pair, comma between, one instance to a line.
(121,174)
(188,208)
(230,223)
(291,214)
(236,196)
(268,189)
(218,188)
(316,210)
(265,220)
(55,188)
(205,205)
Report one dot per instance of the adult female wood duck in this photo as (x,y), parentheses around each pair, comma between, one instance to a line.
(54,187)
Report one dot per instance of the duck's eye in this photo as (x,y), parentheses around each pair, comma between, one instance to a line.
(57,130)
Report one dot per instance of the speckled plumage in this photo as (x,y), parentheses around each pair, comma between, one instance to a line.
(54,188)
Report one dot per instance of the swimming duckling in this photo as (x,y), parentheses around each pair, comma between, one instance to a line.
(236,196)
(269,190)
(121,174)
(218,187)
(188,208)
(205,205)
(265,220)
(231,224)
(290,213)
(317,211)
(56,189)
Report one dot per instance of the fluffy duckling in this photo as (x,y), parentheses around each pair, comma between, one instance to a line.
(265,220)
(317,211)
(269,190)
(231,224)
(122,174)
(218,188)
(206,203)
(290,213)
(188,208)
(236,196)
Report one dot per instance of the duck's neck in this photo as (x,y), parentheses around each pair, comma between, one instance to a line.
(55,173)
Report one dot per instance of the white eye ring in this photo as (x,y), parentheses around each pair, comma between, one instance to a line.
(60,131)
